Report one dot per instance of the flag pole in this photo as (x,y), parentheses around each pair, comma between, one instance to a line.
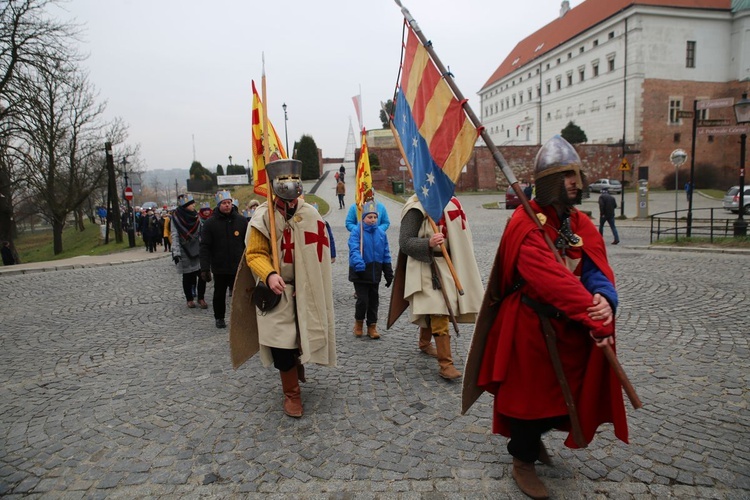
(505,168)
(269,185)
(446,256)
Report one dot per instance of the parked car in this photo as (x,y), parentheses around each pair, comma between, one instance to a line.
(732,199)
(614,186)
(511,199)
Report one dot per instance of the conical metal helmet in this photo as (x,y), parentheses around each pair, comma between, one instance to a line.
(557,155)
(285,177)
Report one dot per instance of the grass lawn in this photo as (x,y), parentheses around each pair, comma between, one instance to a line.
(37,246)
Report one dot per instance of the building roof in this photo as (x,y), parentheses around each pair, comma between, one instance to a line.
(579,19)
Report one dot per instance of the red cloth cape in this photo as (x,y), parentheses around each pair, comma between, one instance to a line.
(516,367)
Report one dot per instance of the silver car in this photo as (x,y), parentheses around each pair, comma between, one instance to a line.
(732,199)
(613,185)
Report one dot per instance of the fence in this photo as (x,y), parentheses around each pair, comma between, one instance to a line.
(707,222)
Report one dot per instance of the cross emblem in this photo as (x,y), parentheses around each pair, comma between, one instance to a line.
(458,212)
(287,246)
(321,238)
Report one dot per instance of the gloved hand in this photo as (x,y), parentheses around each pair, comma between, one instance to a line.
(388,282)
(206,276)
(176,259)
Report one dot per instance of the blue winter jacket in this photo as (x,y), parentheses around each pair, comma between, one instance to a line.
(375,259)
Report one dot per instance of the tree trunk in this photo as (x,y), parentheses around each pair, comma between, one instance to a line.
(79,220)
(57,230)
(8,228)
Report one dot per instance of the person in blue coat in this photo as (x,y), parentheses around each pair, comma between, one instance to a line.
(383,221)
(369,259)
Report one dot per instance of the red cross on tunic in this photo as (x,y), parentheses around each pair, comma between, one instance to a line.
(287,246)
(320,238)
(458,212)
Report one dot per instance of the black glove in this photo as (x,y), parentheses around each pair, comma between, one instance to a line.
(388,273)
(176,259)
(388,282)
(206,276)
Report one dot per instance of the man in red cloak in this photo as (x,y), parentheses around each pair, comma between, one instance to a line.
(578,298)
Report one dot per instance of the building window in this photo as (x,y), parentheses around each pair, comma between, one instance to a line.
(570,78)
(549,86)
(539,91)
(595,69)
(611,35)
(549,116)
(570,55)
(710,138)
(559,82)
(675,105)
(581,74)
(677,137)
(690,55)
(580,51)
(529,91)
(596,43)
(547,65)
(514,101)
(520,98)
(611,63)
(595,105)
(558,60)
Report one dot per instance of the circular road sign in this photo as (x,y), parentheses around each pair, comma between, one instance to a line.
(128,193)
(678,157)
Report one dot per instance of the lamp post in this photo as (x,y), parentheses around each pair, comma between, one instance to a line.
(677,158)
(230,162)
(286,138)
(742,114)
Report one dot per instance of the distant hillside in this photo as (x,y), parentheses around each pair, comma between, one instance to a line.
(167,177)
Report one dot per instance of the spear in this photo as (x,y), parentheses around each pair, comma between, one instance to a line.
(508,173)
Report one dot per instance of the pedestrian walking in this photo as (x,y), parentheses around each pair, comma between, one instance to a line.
(607,206)
(222,247)
(292,322)
(369,259)
(340,192)
(167,231)
(186,234)
(530,296)
(425,280)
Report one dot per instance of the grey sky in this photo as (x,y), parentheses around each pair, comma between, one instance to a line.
(178,69)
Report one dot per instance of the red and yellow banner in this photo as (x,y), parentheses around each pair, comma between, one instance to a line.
(276,150)
(363,189)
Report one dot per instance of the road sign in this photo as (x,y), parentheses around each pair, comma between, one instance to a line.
(714,123)
(678,157)
(624,165)
(128,193)
(724,102)
(732,130)
(684,114)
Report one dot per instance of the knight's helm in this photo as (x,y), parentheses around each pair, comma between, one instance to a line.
(553,160)
(221,196)
(184,200)
(286,178)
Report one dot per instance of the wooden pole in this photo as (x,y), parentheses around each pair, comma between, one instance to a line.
(269,187)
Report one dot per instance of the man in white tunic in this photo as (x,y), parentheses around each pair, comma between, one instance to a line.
(300,328)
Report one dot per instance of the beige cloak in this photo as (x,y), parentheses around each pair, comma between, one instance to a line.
(308,301)
(417,286)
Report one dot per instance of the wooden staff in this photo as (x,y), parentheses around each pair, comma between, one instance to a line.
(505,168)
(447,257)
(269,188)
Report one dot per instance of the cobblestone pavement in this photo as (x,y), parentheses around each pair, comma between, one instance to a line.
(112,388)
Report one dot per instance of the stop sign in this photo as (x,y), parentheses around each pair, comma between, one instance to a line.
(128,193)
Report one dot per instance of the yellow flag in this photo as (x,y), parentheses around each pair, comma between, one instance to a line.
(274,145)
(364,178)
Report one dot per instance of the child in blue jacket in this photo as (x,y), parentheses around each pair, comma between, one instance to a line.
(368,260)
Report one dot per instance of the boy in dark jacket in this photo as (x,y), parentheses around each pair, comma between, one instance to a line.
(369,258)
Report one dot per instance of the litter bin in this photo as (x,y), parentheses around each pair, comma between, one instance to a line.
(398,187)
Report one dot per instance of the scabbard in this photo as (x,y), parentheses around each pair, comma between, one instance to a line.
(550,339)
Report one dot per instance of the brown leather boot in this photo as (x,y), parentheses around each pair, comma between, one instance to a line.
(525,476)
(425,342)
(445,359)
(358,327)
(292,393)
(372,331)
(543,454)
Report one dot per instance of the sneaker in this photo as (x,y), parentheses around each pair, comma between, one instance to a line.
(220,323)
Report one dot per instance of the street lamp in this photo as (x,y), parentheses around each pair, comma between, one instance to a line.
(677,158)
(742,114)
(286,138)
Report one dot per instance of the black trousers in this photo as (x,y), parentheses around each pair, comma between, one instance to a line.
(284,359)
(525,436)
(222,283)
(188,280)
(368,302)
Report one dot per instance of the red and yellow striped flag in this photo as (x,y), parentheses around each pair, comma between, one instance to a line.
(364,178)
(274,146)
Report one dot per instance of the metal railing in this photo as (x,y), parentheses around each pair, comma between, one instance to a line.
(707,222)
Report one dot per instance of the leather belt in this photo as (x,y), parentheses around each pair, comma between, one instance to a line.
(545,310)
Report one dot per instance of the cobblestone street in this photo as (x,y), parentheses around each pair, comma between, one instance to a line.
(112,388)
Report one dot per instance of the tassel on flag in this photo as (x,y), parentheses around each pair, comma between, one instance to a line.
(364,177)
(274,145)
(437,136)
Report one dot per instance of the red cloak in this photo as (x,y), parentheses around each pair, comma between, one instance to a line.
(516,366)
